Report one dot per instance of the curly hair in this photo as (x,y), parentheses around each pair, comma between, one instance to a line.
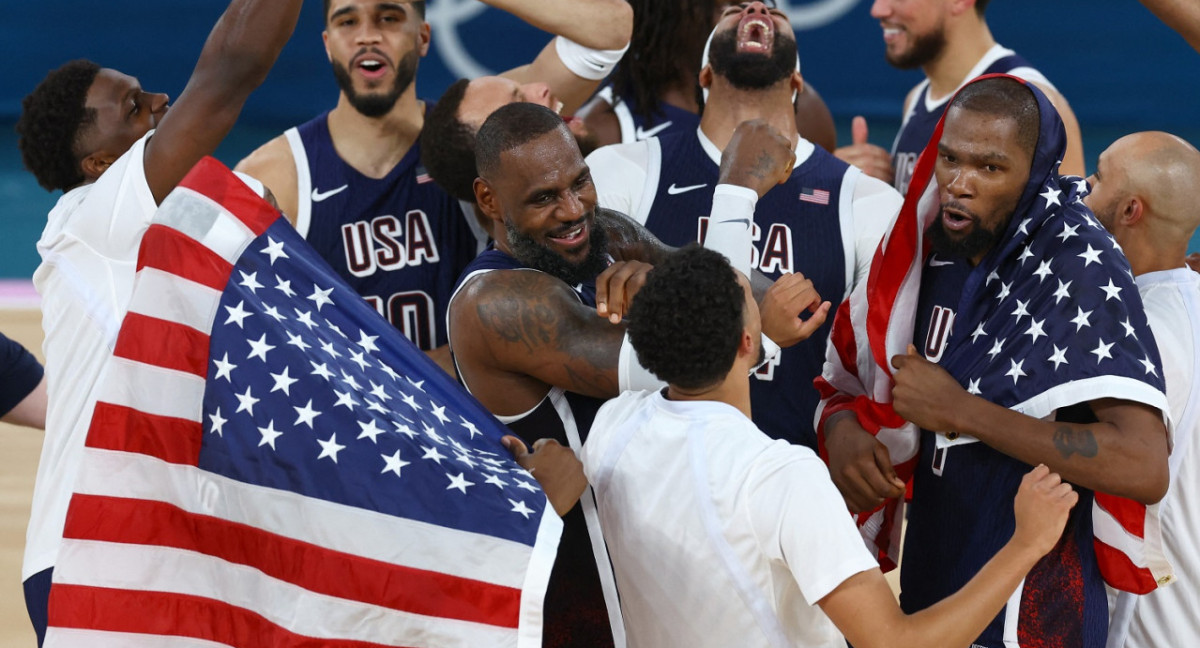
(448,145)
(53,119)
(668,39)
(687,320)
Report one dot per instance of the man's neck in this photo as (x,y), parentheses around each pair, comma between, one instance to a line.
(1151,256)
(374,145)
(727,107)
(966,42)
(734,390)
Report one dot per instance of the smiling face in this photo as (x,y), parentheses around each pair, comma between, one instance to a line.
(753,46)
(374,48)
(914,31)
(982,169)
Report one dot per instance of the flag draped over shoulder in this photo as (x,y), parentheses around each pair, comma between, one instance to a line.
(270,463)
(1051,317)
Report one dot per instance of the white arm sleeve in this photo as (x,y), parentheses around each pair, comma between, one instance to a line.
(729,224)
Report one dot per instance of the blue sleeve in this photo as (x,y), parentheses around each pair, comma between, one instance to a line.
(20,373)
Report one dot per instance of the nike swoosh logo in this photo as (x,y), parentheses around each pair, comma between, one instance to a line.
(673,190)
(318,196)
(935,262)
(647,134)
(736,221)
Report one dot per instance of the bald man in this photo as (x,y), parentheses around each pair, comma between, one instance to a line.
(1144,192)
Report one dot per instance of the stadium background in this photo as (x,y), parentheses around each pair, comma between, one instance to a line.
(1121,70)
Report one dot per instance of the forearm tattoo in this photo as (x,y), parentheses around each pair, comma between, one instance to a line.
(1071,441)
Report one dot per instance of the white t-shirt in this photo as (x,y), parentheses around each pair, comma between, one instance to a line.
(1170,615)
(718,535)
(620,173)
(89,254)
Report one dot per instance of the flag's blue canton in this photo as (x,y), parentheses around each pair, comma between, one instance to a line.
(311,391)
(1057,303)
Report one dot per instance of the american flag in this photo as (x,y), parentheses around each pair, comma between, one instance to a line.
(817,196)
(1055,319)
(272,464)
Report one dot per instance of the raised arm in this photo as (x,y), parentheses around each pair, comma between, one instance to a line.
(1183,17)
(239,52)
(602,25)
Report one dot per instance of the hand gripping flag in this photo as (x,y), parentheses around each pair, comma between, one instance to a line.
(1050,317)
(270,463)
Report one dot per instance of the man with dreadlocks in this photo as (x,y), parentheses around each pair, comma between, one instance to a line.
(653,91)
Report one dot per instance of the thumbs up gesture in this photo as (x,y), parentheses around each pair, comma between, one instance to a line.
(873,160)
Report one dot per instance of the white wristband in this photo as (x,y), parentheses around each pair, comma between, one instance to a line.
(729,225)
(586,62)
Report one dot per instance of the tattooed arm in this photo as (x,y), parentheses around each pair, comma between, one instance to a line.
(516,333)
(1124,453)
(630,241)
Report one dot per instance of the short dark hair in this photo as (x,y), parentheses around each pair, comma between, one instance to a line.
(1004,97)
(510,126)
(419,5)
(448,145)
(686,322)
(53,119)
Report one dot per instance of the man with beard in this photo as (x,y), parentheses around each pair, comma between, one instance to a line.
(351,179)
(1144,192)
(824,222)
(951,43)
(523,324)
(1033,349)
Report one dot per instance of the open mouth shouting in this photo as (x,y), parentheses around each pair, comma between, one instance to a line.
(756,34)
(371,65)
(956,218)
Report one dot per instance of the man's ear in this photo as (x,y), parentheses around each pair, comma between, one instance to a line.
(797,82)
(325,41)
(95,164)
(423,35)
(486,199)
(706,76)
(1132,210)
(959,7)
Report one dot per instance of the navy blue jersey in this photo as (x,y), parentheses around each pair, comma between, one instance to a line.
(920,123)
(576,611)
(797,228)
(962,513)
(20,373)
(399,241)
(667,120)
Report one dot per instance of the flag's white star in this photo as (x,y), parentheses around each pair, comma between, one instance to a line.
(461,448)
(1051,195)
(1023,227)
(1101,351)
(306,414)
(345,399)
(495,481)
(973,386)
(997,347)
(977,333)
(405,430)
(393,464)
(1081,319)
(991,277)
(459,482)
(217,423)
(375,407)
(1062,292)
(328,347)
(432,434)
(274,313)
(1059,357)
(1068,231)
(358,359)
(1021,310)
(259,348)
(284,286)
(369,429)
(321,370)
(237,314)
(246,401)
(1015,370)
(1081,186)
(330,448)
(410,401)
(1004,288)
(440,413)
(298,341)
(379,392)
(250,282)
(224,369)
(320,297)
(305,318)
(1090,256)
(432,453)
(349,380)
(269,434)
(526,485)
(1129,332)
(283,382)
(367,342)
(1043,271)
(274,250)
(389,371)
(464,459)
(416,383)
(519,507)
(1111,291)
(1025,254)
(470,427)
(1036,330)
(1150,369)
(337,329)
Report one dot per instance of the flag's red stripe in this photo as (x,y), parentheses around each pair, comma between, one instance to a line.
(309,566)
(116,427)
(161,343)
(1120,572)
(214,180)
(175,615)
(1129,514)
(177,253)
